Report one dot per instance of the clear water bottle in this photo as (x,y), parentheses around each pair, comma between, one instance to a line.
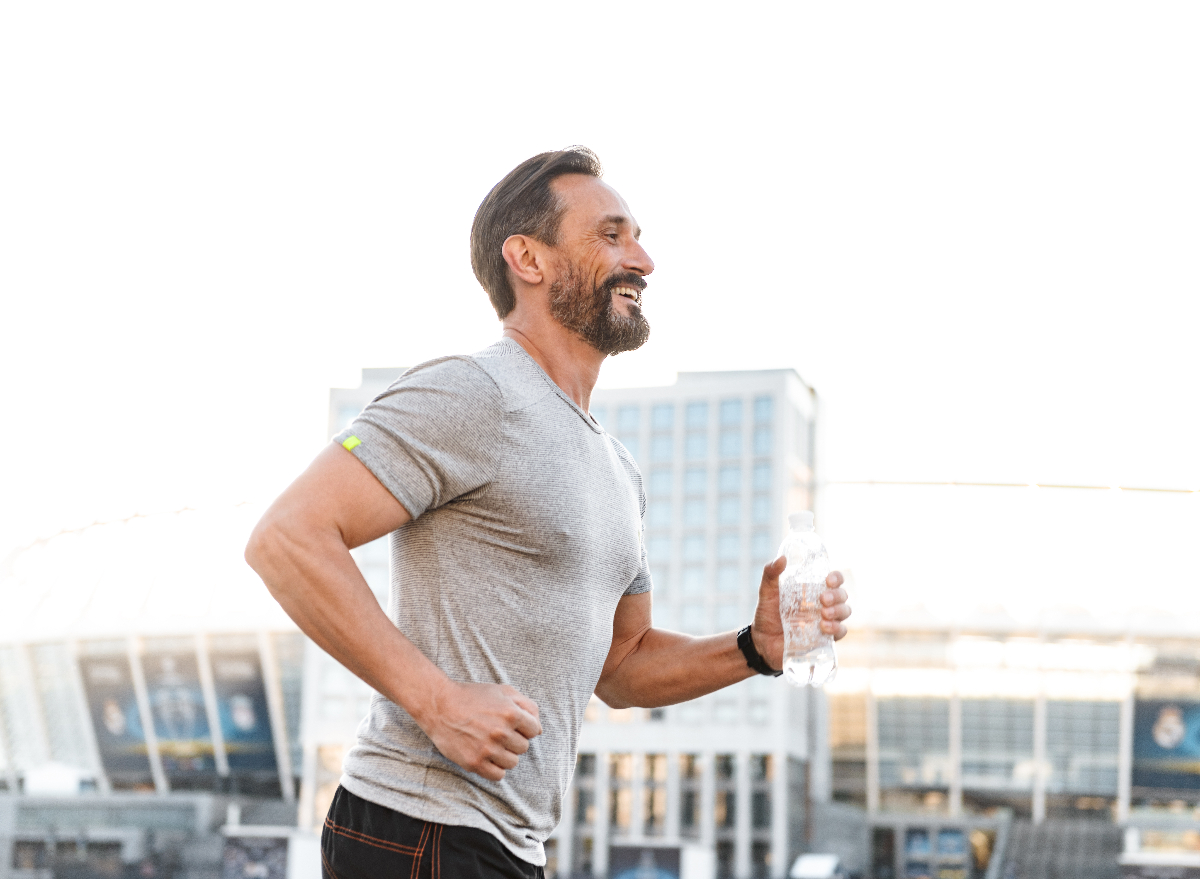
(808,656)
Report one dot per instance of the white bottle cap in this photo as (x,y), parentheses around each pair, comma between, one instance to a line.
(802,521)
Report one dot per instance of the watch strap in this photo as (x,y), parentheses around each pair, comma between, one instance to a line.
(753,657)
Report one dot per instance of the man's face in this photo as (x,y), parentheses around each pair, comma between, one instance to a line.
(599,274)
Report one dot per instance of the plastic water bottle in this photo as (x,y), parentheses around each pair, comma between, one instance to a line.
(808,655)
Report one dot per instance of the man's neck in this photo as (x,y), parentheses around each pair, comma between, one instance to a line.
(571,363)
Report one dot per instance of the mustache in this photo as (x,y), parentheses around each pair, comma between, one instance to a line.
(624,279)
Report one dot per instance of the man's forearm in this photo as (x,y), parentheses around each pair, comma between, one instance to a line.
(668,667)
(315,580)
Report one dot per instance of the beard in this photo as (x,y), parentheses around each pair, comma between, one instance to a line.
(589,313)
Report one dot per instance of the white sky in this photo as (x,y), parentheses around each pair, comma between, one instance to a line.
(973,229)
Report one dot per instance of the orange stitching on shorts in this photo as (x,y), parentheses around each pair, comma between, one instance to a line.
(437,852)
(416,864)
(328,868)
(375,841)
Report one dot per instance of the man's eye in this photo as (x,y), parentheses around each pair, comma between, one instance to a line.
(614,235)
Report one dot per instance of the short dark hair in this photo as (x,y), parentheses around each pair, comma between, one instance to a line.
(522,204)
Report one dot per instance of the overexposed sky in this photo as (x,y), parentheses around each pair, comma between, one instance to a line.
(974,230)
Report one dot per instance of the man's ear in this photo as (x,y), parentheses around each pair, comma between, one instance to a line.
(524,258)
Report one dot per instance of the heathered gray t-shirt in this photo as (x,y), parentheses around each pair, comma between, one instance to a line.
(526,532)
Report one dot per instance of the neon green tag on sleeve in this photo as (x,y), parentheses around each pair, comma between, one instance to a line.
(351,443)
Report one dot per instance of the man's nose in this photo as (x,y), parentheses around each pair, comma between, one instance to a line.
(638,260)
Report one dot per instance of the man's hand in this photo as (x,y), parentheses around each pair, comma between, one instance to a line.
(767,630)
(484,728)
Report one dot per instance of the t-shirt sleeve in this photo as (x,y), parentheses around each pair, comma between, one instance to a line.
(641,582)
(432,436)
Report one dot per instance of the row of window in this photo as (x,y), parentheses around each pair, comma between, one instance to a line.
(695,445)
(694,548)
(695,511)
(660,481)
(730,413)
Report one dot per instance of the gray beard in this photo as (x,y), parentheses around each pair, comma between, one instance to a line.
(591,316)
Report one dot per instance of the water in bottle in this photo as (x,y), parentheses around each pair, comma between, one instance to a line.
(808,655)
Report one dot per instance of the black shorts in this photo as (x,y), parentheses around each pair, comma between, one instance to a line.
(362,840)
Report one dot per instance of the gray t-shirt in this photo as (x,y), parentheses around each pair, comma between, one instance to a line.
(526,532)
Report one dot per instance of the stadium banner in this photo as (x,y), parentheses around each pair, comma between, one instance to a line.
(1166,744)
(112,703)
(180,722)
(242,707)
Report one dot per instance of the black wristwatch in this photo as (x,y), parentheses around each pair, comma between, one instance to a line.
(753,657)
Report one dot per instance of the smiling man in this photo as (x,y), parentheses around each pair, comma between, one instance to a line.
(519,583)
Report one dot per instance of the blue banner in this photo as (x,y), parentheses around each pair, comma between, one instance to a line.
(180,722)
(112,703)
(242,707)
(1166,744)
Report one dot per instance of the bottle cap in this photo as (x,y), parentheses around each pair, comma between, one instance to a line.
(802,521)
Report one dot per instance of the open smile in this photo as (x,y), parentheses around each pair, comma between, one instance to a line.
(629,293)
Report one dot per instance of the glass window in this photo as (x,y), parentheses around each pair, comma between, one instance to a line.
(760,809)
(731,412)
(728,579)
(761,514)
(662,416)
(695,480)
(695,513)
(762,440)
(762,550)
(729,478)
(761,767)
(659,575)
(729,546)
(660,481)
(762,476)
(695,446)
(696,414)
(658,514)
(628,417)
(731,443)
(658,549)
(662,447)
(729,616)
(630,442)
(763,409)
(691,620)
(693,580)
(693,548)
(729,511)
(599,414)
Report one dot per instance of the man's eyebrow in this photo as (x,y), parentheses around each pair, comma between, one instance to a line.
(618,220)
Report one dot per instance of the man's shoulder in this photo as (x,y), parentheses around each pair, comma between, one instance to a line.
(501,374)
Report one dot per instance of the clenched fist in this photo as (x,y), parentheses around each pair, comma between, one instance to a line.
(484,728)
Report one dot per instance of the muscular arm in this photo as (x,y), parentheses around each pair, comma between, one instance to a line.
(650,667)
(301,549)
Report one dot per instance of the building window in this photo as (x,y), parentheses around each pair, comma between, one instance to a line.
(696,414)
(659,577)
(760,809)
(761,509)
(693,548)
(658,514)
(628,417)
(729,511)
(729,479)
(762,767)
(695,480)
(762,441)
(695,513)
(585,806)
(660,481)
(763,409)
(631,444)
(691,618)
(762,476)
(728,579)
(693,580)
(662,416)
(662,447)
(725,859)
(658,549)
(731,412)
(729,546)
(760,859)
(654,794)
(729,614)
(762,550)
(620,774)
(695,446)
(689,795)
(730,445)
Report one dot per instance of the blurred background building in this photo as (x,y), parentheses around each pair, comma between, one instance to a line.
(160,716)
